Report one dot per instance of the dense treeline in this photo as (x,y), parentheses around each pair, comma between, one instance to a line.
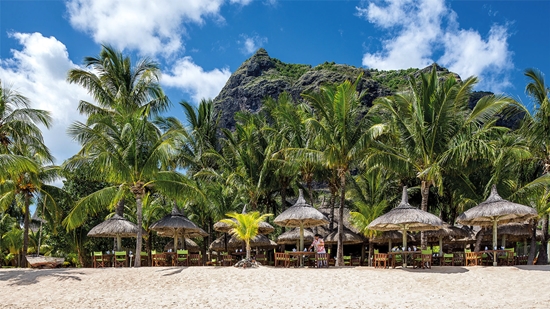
(328,144)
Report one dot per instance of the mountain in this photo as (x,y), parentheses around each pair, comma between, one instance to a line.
(261,76)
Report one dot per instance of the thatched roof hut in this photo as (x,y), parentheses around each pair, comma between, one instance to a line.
(260,241)
(405,218)
(292,236)
(350,238)
(494,211)
(176,224)
(301,215)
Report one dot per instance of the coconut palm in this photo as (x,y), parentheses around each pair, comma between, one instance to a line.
(33,187)
(342,132)
(18,121)
(245,226)
(432,129)
(535,131)
(116,84)
(129,153)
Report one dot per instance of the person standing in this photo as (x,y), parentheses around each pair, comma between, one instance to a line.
(319,246)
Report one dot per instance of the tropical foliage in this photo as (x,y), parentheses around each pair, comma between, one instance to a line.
(427,136)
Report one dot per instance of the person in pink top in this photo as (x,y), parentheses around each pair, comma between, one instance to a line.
(319,245)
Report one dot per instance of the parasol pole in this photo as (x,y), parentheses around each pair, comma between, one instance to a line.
(440,247)
(175,241)
(301,242)
(503,244)
(118,242)
(404,257)
(389,245)
(495,221)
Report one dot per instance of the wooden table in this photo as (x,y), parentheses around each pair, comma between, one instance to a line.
(406,256)
(493,254)
(301,255)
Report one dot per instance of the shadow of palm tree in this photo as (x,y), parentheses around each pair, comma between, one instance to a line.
(438,270)
(32,276)
(534,267)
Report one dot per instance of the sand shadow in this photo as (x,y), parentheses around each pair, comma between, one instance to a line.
(438,270)
(533,267)
(171,271)
(32,276)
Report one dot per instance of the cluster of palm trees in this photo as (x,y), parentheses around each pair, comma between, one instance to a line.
(329,144)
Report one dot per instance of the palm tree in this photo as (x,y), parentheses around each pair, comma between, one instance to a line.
(18,121)
(369,193)
(129,155)
(432,128)
(245,226)
(116,84)
(30,187)
(535,129)
(342,133)
(119,141)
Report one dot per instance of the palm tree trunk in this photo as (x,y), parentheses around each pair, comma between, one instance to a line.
(543,254)
(25,231)
(332,202)
(340,244)
(533,248)
(371,251)
(139,215)
(478,241)
(425,191)
(248,250)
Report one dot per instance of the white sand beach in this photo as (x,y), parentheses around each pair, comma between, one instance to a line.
(268,287)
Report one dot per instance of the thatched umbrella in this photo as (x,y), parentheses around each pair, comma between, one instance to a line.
(176,224)
(292,237)
(350,238)
(260,241)
(115,227)
(188,244)
(447,231)
(405,218)
(301,215)
(391,236)
(496,210)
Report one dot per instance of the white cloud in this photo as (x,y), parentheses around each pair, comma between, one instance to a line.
(150,27)
(38,71)
(419,31)
(251,44)
(192,79)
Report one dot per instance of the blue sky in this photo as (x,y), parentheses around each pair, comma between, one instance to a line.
(198,43)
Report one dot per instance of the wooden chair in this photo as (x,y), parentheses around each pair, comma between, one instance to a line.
(281,259)
(355,261)
(321,260)
(473,258)
(195,259)
(426,259)
(458,258)
(347,260)
(447,259)
(98,260)
(227,259)
(486,259)
(510,257)
(261,258)
(159,259)
(381,259)
(181,258)
(120,259)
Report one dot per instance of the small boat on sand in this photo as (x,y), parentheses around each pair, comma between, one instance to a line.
(44,261)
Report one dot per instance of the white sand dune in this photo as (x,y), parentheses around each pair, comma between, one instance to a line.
(268,287)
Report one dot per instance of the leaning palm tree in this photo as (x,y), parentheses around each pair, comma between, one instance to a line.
(33,187)
(342,132)
(245,226)
(432,129)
